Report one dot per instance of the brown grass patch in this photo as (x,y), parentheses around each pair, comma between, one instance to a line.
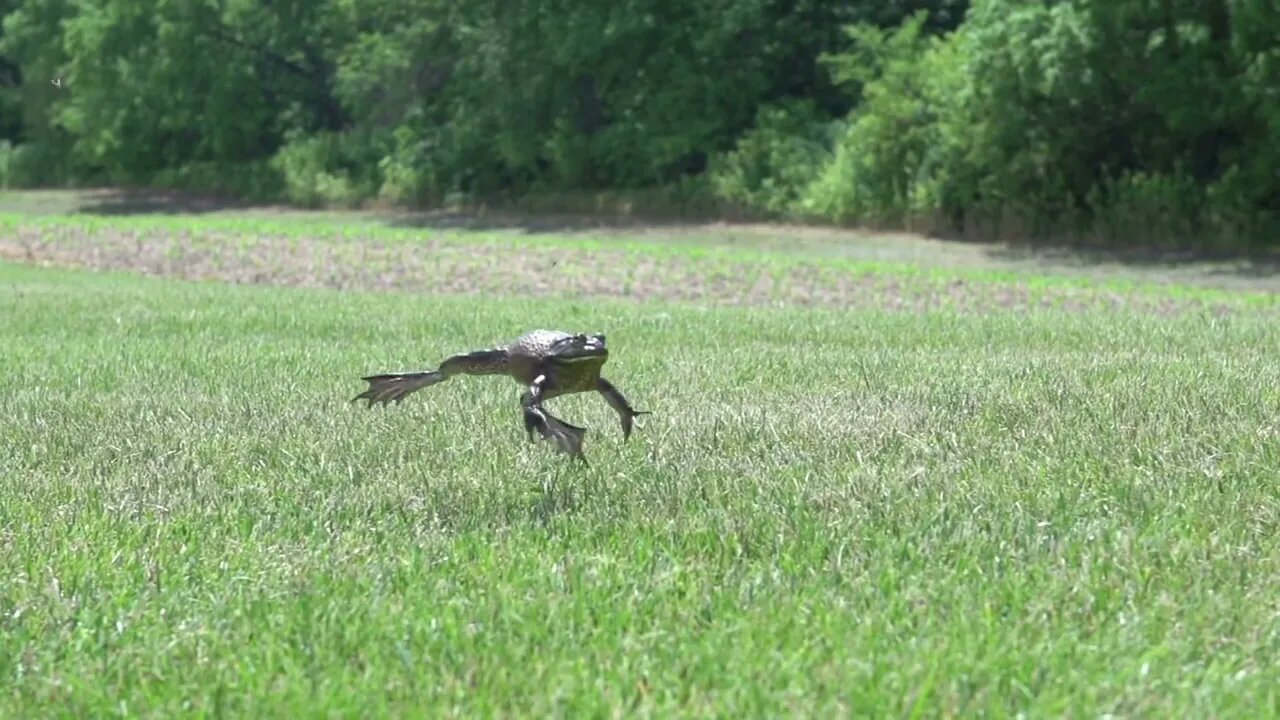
(450,266)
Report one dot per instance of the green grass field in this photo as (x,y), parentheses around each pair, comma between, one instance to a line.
(846,503)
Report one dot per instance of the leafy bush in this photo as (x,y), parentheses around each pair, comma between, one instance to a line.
(6,163)
(324,169)
(1119,120)
(888,163)
(38,164)
(255,181)
(1105,120)
(773,162)
(1146,208)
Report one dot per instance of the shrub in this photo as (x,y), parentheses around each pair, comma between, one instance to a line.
(324,169)
(773,162)
(889,163)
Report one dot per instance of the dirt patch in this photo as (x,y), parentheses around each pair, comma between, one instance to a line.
(452,266)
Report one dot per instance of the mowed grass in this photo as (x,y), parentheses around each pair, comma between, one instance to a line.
(830,512)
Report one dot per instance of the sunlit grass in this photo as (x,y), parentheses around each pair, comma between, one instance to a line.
(858,513)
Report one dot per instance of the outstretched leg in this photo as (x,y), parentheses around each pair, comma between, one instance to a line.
(395,386)
(567,438)
(619,403)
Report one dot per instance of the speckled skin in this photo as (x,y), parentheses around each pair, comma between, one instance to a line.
(571,363)
(550,363)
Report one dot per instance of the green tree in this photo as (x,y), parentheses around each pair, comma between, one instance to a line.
(1129,114)
(179,86)
(32,57)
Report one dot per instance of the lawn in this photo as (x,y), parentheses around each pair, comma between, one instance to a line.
(872,489)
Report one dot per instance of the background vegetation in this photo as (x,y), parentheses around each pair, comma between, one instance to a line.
(1127,121)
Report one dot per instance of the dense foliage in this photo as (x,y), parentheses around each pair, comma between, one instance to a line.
(1126,120)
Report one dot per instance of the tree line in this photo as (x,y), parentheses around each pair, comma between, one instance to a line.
(1122,121)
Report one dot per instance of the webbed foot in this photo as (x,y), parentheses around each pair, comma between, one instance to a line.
(566,437)
(393,387)
(617,401)
(627,421)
